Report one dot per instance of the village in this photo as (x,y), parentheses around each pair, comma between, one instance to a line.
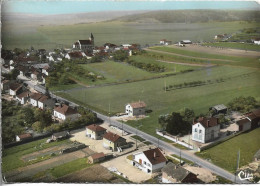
(128,155)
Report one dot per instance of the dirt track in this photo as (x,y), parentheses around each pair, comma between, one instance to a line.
(188,64)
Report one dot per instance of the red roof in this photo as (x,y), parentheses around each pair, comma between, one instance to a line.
(243,121)
(208,122)
(26,135)
(139,104)
(65,110)
(5,81)
(15,86)
(111,136)
(95,128)
(36,96)
(24,94)
(43,98)
(98,155)
(256,112)
(75,54)
(155,156)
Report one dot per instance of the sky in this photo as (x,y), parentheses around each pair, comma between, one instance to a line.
(67,7)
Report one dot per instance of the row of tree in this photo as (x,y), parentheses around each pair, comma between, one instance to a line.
(147,66)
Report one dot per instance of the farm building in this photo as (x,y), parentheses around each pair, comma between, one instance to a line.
(113,141)
(64,112)
(176,174)
(165,42)
(254,117)
(60,135)
(23,97)
(95,131)
(23,137)
(185,42)
(15,88)
(256,41)
(205,129)
(149,161)
(219,109)
(34,98)
(95,158)
(243,124)
(135,109)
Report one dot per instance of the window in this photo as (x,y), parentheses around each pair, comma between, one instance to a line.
(195,130)
(145,162)
(200,131)
(148,164)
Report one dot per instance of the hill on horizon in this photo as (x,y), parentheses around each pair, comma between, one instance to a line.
(192,16)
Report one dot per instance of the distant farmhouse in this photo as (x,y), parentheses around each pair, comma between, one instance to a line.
(221,37)
(85,45)
(165,42)
(256,41)
(185,42)
(205,129)
(135,109)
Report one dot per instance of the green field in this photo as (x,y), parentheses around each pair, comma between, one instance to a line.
(225,154)
(242,46)
(50,37)
(242,82)
(11,156)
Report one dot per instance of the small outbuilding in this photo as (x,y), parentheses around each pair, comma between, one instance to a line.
(219,109)
(97,157)
(243,125)
(60,135)
(23,137)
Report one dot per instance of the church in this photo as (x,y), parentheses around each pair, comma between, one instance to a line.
(85,45)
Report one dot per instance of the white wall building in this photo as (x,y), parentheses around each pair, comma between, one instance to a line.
(135,109)
(205,130)
(65,112)
(149,161)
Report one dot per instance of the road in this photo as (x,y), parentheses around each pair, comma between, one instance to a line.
(164,145)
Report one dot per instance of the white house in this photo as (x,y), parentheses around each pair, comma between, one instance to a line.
(34,98)
(136,108)
(205,130)
(45,70)
(257,41)
(165,42)
(185,42)
(45,102)
(64,112)
(23,137)
(95,131)
(23,97)
(75,55)
(149,161)
(15,88)
(243,124)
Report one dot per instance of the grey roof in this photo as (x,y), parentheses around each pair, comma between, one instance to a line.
(219,107)
(41,65)
(61,134)
(175,172)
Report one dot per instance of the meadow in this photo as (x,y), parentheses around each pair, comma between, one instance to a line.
(240,82)
(225,154)
(242,46)
(49,37)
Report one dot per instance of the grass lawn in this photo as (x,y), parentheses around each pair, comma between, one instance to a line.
(69,167)
(225,154)
(50,37)
(11,156)
(160,102)
(138,138)
(242,46)
(64,87)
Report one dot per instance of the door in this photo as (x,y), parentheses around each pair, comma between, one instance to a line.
(140,161)
(240,127)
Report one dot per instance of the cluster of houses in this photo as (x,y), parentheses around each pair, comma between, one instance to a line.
(180,43)
(206,129)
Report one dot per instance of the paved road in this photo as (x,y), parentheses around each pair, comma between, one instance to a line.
(187,155)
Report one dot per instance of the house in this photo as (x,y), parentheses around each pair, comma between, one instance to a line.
(257,156)
(149,161)
(219,109)
(176,174)
(46,70)
(23,137)
(45,102)
(34,98)
(97,157)
(23,97)
(243,125)
(64,112)
(165,42)
(221,37)
(113,141)
(60,135)
(75,55)
(85,45)
(254,117)
(15,88)
(5,85)
(256,41)
(36,75)
(135,109)
(185,42)
(95,131)
(205,129)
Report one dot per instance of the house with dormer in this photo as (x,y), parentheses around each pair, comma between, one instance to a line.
(149,161)
(64,112)
(205,129)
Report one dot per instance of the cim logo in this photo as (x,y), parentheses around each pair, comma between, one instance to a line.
(245,175)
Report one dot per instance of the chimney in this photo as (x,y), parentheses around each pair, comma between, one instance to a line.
(154,154)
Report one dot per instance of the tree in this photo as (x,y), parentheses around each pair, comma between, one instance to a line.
(28,116)
(163,121)
(120,55)
(243,104)
(44,117)
(95,59)
(38,126)
(187,114)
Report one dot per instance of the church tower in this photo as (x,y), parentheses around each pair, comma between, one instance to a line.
(91,38)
